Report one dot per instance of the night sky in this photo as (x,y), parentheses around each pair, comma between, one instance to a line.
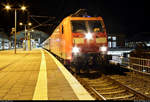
(120,16)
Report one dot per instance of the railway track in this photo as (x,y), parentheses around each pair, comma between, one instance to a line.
(106,88)
(136,81)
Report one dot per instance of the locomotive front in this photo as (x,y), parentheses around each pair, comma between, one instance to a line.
(89,41)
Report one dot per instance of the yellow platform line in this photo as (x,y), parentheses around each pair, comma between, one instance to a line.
(78,89)
(40,92)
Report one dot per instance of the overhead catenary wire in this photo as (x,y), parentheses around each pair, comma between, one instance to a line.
(43,23)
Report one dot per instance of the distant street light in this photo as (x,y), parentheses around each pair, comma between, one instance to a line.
(23,8)
(29,23)
(20,23)
(7,7)
(26,31)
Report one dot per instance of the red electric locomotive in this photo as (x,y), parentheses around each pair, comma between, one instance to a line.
(79,41)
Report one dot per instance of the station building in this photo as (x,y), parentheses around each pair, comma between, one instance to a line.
(4,39)
(116,40)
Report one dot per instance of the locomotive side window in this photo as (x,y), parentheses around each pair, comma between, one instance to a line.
(62,29)
(78,27)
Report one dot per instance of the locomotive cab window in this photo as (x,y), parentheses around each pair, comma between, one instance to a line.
(84,26)
(95,26)
(78,27)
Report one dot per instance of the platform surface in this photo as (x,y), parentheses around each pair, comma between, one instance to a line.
(37,75)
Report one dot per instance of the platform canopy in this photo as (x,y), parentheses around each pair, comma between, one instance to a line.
(35,34)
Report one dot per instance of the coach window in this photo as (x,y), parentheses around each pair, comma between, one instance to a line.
(62,29)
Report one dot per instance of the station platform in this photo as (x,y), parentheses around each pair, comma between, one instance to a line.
(37,75)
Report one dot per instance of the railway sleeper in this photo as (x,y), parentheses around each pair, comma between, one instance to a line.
(120,97)
(113,92)
(101,85)
(95,80)
(107,88)
(98,79)
(101,82)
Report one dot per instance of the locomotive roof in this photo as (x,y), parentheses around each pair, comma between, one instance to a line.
(84,18)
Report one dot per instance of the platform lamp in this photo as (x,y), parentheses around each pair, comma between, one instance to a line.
(8,7)
(25,30)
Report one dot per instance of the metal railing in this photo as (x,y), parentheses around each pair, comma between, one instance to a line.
(141,65)
(138,64)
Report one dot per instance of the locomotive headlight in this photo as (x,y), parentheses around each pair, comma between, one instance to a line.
(103,48)
(88,36)
(75,50)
